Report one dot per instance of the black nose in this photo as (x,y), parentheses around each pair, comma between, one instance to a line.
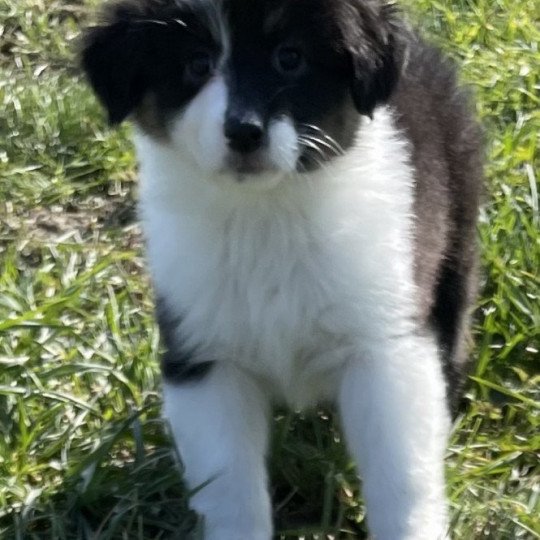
(245,133)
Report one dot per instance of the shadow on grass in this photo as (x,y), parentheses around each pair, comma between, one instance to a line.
(129,487)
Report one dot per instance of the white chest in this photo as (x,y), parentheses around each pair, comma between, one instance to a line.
(252,286)
(285,281)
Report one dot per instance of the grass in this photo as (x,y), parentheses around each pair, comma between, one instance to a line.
(83,453)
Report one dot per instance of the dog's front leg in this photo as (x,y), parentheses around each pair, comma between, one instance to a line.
(220,426)
(392,403)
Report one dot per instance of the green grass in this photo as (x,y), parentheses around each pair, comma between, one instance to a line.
(83,453)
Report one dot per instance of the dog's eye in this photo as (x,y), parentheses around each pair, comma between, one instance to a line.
(200,66)
(289,60)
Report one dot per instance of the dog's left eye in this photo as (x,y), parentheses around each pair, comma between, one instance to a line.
(200,66)
(289,60)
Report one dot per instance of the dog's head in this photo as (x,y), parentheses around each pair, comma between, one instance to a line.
(245,86)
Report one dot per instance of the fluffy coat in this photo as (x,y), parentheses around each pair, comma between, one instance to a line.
(309,191)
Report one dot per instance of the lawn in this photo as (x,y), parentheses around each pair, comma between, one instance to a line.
(83,452)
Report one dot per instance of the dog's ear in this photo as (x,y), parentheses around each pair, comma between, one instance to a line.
(371,34)
(114,57)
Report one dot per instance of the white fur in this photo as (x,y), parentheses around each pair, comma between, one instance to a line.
(392,406)
(221,425)
(197,136)
(302,287)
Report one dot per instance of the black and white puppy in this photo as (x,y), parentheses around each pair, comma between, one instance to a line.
(310,176)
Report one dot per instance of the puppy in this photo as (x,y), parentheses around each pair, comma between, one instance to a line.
(310,175)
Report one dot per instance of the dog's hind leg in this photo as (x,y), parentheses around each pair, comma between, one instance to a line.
(220,425)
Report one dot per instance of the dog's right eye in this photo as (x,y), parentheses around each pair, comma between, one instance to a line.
(200,66)
(289,60)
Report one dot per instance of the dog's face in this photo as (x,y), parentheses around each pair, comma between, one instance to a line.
(250,88)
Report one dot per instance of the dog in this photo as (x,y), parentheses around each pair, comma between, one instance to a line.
(310,180)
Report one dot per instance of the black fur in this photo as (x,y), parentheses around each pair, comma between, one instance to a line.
(446,141)
(371,34)
(140,50)
(179,363)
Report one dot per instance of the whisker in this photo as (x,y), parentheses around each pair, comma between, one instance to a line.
(330,140)
(309,157)
(309,143)
(151,21)
(326,144)
(332,143)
